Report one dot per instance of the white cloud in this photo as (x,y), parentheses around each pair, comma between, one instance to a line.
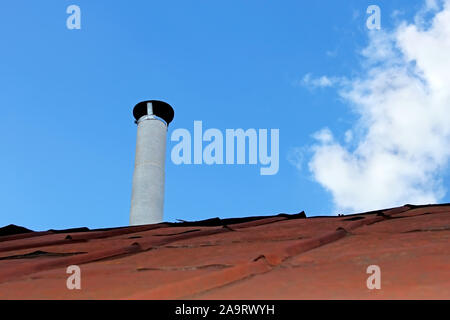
(296,157)
(431,4)
(332,53)
(396,13)
(348,136)
(403,103)
(324,136)
(321,82)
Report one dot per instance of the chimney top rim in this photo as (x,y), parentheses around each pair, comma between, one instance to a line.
(160,108)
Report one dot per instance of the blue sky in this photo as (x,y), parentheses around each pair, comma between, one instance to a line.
(66,96)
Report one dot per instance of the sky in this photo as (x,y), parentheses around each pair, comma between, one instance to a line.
(362,113)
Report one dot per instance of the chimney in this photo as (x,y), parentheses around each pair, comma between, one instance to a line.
(147,197)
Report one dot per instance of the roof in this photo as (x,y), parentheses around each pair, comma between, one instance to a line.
(270,257)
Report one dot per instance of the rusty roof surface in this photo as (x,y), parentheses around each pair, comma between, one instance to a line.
(269,257)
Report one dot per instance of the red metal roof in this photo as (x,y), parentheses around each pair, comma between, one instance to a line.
(275,257)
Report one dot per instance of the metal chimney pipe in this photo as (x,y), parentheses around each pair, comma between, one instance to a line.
(147,197)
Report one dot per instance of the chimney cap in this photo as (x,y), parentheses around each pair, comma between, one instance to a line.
(160,109)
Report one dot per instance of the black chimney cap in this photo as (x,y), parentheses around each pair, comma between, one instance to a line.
(160,109)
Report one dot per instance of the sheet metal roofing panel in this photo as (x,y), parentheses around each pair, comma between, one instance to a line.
(278,257)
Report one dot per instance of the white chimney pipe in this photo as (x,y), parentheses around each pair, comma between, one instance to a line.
(147,198)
